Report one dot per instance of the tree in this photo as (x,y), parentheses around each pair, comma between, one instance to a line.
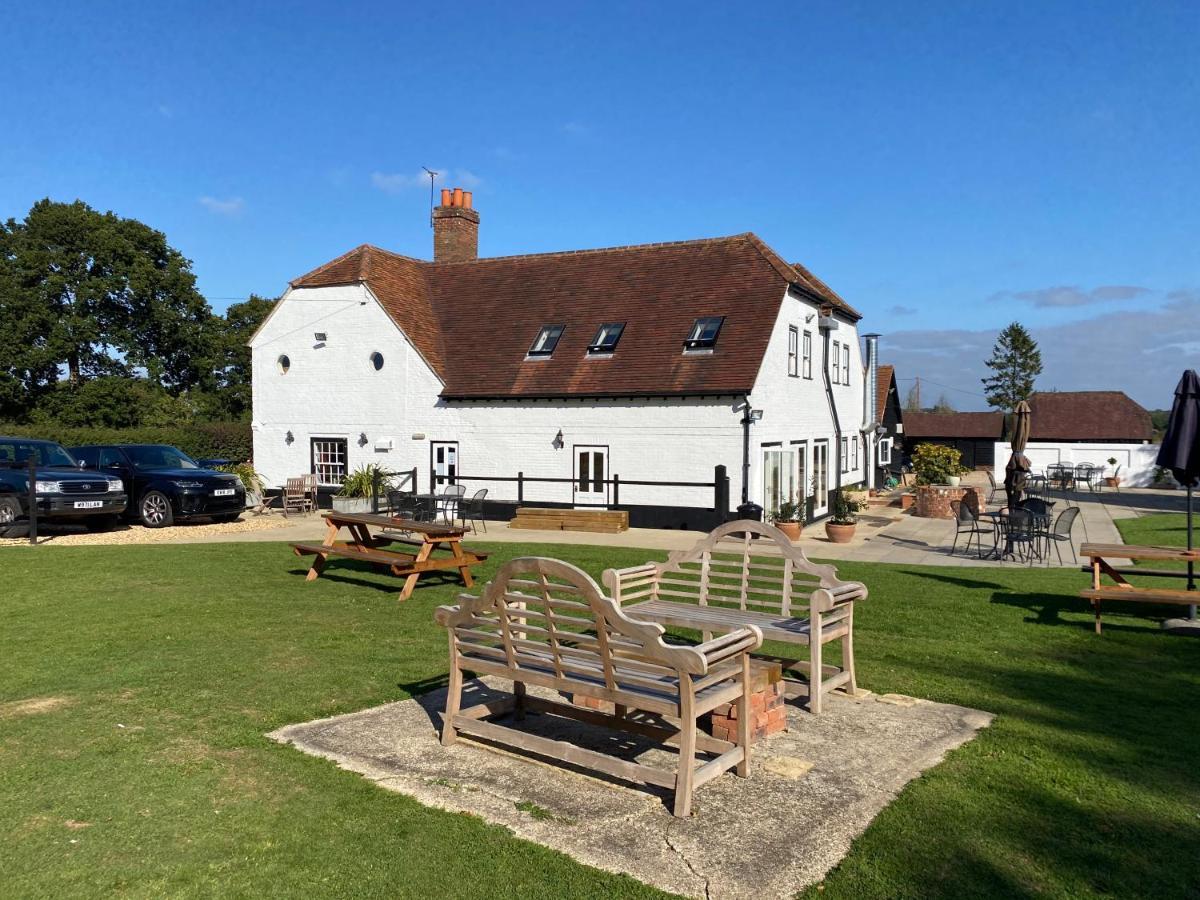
(227,396)
(1016,363)
(912,400)
(93,294)
(943,405)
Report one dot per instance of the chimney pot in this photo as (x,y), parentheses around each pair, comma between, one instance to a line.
(457,201)
(455,228)
(445,196)
(466,199)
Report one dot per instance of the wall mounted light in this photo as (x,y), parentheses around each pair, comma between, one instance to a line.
(362,439)
(319,337)
(290,439)
(558,440)
(756,415)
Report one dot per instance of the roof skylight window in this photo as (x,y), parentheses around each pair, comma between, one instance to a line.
(606,337)
(704,333)
(546,340)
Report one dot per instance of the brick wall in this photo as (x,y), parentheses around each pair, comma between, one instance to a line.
(455,234)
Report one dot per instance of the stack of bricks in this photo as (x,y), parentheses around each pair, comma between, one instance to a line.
(767,713)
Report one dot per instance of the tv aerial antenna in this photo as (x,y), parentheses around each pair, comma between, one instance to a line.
(432,178)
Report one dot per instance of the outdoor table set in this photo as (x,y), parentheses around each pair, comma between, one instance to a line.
(1020,533)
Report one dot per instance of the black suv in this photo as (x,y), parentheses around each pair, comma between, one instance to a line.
(65,493)
(165,484)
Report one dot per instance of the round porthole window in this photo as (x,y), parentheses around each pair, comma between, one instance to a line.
(283,363)
(377,360)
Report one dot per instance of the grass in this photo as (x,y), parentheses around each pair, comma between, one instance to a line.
(141,767)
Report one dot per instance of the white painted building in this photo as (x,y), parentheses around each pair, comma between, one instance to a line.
(593,370)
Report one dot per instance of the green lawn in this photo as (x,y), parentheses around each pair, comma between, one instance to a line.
(170,664)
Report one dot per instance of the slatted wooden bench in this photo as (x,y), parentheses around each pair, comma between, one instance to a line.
(604,521)
(749,573)
(545,622)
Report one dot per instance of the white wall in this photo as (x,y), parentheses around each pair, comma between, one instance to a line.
(334,391)
(1136,460)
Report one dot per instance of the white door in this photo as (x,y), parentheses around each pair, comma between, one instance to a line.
(445,463)
(820,476)
(779,485)
(591,474)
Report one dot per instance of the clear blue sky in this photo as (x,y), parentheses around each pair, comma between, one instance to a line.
(947,167)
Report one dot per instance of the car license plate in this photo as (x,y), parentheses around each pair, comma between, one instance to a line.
(89,504)
(223,492)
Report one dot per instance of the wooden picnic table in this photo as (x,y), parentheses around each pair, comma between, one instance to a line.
(1102,558)
(424,537)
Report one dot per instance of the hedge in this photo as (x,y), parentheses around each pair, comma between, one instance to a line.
(207,440)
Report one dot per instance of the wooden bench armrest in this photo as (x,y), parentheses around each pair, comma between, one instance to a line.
(616,579)
(827,599)
(743,640)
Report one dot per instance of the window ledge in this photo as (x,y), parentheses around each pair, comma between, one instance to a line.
(596,354)
(698,351)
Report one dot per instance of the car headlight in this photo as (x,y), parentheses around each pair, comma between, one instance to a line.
(116,485)
(188,484)
(49,487)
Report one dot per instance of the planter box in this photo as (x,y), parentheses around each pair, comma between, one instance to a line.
(933,500)
(351,504)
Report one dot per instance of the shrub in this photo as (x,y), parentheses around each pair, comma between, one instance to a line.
(788,511)
(359,483)
(205,440)
(935,463)
(251,480)
(845,507)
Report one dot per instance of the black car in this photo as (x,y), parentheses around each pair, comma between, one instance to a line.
(166,485)
(66,493)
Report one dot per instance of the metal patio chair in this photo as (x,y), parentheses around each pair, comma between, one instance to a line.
(1085,473)
(993,488)
(472,510)
(966,522)
(1021,535)
(449,500)
(1061,531)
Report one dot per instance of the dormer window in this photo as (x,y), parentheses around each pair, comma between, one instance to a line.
(606,337)
(704,333)
(546,340)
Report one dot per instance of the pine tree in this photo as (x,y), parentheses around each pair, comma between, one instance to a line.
(1016,362)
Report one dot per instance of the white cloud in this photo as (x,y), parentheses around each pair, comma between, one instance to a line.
(399,182)
(1142,354)
(231,206)
(1073,295)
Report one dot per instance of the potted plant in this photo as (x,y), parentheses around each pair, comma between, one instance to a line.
(843,518)
(1113,480)
(251,481)
(787,518)
(356,492)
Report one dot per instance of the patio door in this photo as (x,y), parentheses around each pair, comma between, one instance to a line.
(444,463)
(820,476)
(779,479)
(803,479)
(591,474)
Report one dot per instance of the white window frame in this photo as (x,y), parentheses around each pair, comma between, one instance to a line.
(835,374)
(793,351)
(854,453)
(845,454)
(845,363)
(330,457)
(807,345)
(885,451)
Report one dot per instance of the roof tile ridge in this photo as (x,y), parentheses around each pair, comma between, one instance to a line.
(321,268)
(776,261)
(620,248)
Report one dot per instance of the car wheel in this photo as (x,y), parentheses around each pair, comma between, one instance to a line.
(155,510)
(11,525)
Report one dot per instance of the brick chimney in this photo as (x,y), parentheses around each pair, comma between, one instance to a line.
(455,228)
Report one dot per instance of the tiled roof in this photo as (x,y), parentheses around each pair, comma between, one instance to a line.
(954,425)
(884,381)
(1087,416)
(474,321)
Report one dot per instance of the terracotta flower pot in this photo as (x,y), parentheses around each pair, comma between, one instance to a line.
(791,529)
(1112,481)
(907,500)
(839,534)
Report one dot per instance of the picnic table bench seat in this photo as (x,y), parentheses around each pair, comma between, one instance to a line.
(545,622)
(1102,563)
(351,551)
(749,573)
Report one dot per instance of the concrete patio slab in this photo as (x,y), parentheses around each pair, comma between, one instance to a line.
(812,789)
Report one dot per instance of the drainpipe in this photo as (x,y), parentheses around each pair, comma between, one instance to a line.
(746,449)
(825,324)
(870,408)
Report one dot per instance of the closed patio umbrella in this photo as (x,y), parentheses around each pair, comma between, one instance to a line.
(1016,473)
(1180,450)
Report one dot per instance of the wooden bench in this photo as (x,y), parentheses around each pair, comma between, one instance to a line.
(545,622)
(604,521)
(749,573)
(1101,563)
